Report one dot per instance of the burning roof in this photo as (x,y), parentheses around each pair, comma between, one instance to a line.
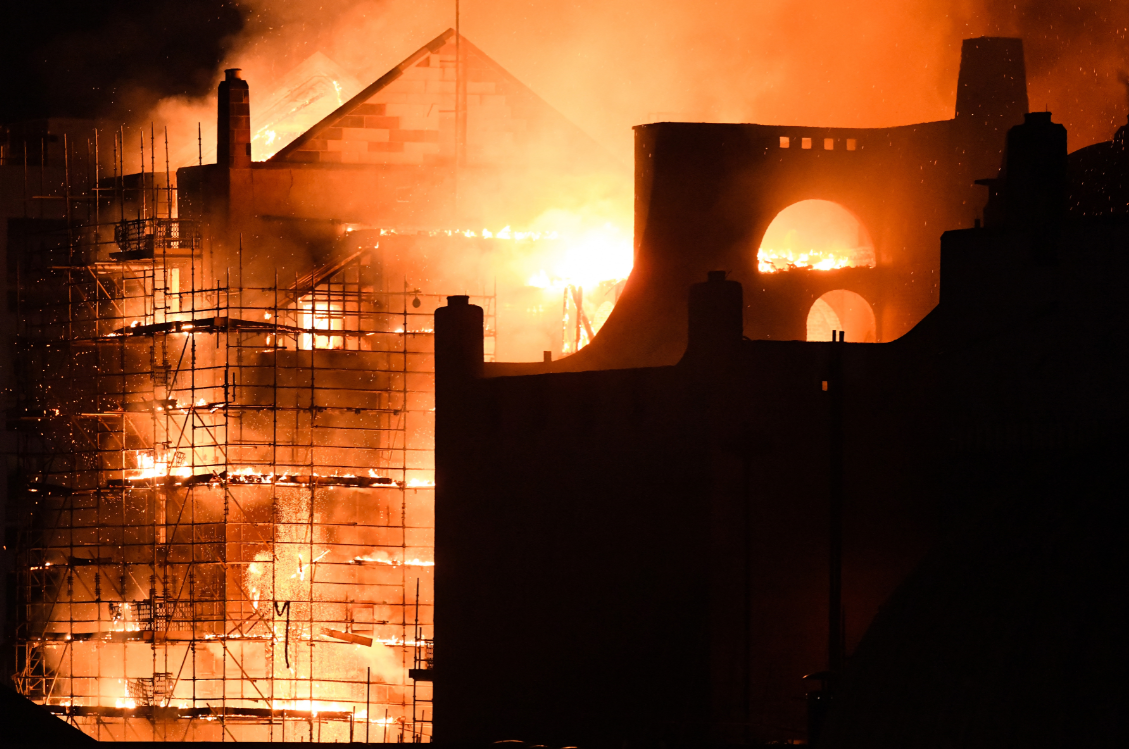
(408,116)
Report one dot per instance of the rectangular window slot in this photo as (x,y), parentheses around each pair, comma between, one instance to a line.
(828,144)
(785,141)
(852,144)
(805,143)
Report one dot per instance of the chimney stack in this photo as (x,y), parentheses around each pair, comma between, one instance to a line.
(716,318)
(233,130)
(1034,174)
(458,344)
(992,83)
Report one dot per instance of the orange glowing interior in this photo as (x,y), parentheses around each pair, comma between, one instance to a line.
(815,235)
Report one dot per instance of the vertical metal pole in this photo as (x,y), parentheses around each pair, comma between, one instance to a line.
(835,545)
(97,187)
(119,168)
(200,145)
(67,184)
(578,297)
(168,180)
(564,323)
(415,656)
(153,167)
(87,181)
(42,172)
(25,178)
(458,83)
(460,114)
(116,165)
(368,701)
(141,206)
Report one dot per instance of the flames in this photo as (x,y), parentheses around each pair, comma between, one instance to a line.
(150,471)
(815,235)
(775,261)
(581,261)
(505,233)
(587,259)
(150,466)
(586,269)
(318,315)
(383,557)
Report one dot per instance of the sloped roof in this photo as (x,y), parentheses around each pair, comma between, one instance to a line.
(407,117)
(301,98)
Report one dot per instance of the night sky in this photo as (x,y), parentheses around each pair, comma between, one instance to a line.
(110,59)
(606,64)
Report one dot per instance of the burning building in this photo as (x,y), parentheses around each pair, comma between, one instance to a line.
(224,403)
(697,536)
(863,206)
(223,507)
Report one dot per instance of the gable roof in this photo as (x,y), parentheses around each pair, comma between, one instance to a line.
(301,98)
(407,117)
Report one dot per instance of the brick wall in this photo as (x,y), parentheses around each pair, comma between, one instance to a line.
(411,119)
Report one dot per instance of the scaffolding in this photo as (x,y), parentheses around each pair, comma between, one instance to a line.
(225,493)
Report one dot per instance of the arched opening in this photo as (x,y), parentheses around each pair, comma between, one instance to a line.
(815,235)
(842,310)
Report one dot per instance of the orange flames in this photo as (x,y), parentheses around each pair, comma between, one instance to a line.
(150,466)
(383,557)
(585,267)
(815,235)
(775,261)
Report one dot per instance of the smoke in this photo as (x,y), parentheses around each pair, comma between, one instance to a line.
(606,64)
(1075,51)
(113,60)
(612,64)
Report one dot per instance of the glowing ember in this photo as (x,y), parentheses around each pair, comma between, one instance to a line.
(588,259)
(773,261)
(150,467)
(383,557)
(585,268)
(814,235)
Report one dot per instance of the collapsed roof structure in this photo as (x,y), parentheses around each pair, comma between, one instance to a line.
(223,416)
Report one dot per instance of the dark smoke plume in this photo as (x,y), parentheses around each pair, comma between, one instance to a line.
(112,59)
(1075,50)
(606,64)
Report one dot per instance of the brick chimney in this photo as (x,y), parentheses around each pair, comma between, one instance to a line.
(233,130)
(992,83)
(716,319)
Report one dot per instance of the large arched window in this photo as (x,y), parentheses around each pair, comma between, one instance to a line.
(815,235)
(842,310)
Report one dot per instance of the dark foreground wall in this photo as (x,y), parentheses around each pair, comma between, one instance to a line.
(1011,633)
(642,554)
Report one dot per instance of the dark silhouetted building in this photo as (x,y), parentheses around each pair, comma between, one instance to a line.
(647,555)
(706,193)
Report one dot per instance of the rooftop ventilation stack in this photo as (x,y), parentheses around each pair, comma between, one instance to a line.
(233,129)
(992,84)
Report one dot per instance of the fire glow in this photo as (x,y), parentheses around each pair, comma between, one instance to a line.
(775,261)
(815,235)
(585,269)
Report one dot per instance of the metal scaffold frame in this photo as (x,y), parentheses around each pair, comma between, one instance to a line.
(225,492)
